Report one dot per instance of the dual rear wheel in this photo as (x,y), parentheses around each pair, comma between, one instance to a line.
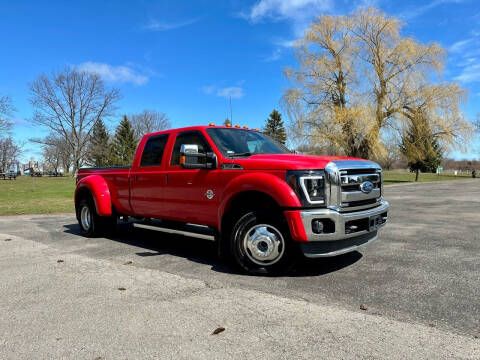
(91,224)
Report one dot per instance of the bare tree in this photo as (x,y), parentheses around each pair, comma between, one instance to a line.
(56,151)
(9,154)
(148,121)
(6,109)
(69,103)
(51,158)
(476,127)
(389,153)
(477,124)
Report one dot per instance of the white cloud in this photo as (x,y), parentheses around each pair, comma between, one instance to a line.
(470,73)
(286,43)
(274,56)
(235,92)
(459,45)
(299,13)
(419,10)
(111,73)
(369,3)
(155,25)
(210,89)
(287,9)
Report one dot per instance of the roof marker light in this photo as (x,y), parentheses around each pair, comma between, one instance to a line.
(211,124)
(228,124)
(245,127)
(237,126)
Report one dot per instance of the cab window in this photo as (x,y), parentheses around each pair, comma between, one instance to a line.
(153,151)
(190,138)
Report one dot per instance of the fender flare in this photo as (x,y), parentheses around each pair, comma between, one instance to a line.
(266,183)
(98,188)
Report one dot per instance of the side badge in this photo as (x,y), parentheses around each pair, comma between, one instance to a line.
(209,194)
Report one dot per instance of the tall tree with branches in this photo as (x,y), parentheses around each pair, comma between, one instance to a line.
(149,121)
(69,103)
(358,76)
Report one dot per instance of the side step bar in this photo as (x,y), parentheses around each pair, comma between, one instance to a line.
(191,230)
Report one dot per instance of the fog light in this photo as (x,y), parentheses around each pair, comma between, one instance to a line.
(350,229)
(317,226)
(323,226)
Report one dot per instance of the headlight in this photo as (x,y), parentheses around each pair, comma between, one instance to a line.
(309,186)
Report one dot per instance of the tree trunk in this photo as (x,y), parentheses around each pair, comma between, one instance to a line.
(364,150)
(76,164)
(416,175)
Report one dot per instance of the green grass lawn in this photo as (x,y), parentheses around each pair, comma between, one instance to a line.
(42,195)
(46,195)
(397,177)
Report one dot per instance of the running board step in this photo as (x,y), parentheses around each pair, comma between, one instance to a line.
(191,230)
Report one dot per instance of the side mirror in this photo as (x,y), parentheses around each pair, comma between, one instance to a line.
(190,158)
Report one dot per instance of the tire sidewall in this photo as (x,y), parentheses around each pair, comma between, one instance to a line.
(243,225)
(91,231)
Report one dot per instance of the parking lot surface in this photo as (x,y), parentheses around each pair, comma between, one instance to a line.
(144,294)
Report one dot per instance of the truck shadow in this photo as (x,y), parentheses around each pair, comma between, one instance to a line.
(154,243)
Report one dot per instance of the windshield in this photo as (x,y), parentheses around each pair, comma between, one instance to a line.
(236,142)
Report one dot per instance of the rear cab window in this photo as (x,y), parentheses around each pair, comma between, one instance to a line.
(153,151)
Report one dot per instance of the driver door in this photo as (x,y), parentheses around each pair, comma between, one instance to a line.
(191,194)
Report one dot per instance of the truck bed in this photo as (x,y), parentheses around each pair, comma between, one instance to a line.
(103,170)
(118,179)
(93,169)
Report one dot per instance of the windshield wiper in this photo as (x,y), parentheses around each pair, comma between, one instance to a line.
(240,154)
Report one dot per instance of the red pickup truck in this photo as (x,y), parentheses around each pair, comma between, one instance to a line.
(258,200)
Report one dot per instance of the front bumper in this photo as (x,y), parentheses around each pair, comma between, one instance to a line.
(349,231)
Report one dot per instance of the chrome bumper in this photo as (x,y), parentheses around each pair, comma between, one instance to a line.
(343,239)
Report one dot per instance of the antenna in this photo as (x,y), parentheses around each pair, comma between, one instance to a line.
(231,117)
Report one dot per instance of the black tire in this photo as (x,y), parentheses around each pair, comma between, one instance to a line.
(260,243)
(91,224)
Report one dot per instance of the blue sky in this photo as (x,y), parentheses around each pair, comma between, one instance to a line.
(185,58)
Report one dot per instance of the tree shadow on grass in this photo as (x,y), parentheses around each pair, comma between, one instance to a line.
(155,243)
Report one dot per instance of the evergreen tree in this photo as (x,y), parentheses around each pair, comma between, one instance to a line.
(227,122)
(274,127)
(420,146)
(98,149)
(123,144)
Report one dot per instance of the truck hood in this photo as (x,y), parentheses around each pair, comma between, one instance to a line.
(287,161)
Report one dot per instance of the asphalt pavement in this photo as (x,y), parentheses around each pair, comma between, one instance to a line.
(144,294)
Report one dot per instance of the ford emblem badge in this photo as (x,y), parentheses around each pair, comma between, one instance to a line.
(366,187)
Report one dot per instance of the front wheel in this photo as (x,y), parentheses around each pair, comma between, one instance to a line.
(261,244)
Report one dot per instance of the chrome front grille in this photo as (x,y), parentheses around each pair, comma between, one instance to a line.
(343,185)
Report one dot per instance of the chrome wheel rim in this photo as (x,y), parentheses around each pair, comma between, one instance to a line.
(86,217)
(264,244)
